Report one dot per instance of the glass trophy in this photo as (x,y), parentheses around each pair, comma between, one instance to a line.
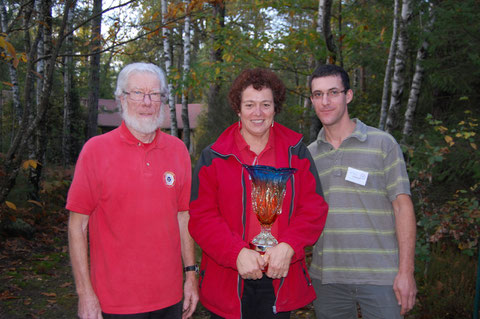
(268,190)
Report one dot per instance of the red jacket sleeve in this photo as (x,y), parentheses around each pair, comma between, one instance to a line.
(310,209)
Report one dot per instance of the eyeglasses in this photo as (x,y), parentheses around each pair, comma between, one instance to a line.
(140,96)
(317,95)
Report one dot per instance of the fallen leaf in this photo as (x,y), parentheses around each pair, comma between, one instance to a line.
(67,284)
(5,295)
(49,294)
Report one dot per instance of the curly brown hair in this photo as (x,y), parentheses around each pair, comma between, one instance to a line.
(259,79)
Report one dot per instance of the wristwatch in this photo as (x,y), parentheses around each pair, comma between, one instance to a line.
(192,268)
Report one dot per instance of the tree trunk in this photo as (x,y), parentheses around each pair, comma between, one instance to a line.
(94,79)
(68,93)
(399,71)
(186,71)
(39,140)
(340,52)
(168,64)
(15,153)
(388,69)
(17,106)
(324,17)
(417,79)
(216,58)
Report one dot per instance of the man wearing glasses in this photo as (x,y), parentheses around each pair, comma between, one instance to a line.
(365,255)
(131,189)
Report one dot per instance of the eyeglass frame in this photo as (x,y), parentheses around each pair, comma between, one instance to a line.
(332,93)
(160,95)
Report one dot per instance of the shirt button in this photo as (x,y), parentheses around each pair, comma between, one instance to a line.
(148,164)
(139,144)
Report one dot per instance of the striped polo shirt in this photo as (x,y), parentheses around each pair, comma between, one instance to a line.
(360,180)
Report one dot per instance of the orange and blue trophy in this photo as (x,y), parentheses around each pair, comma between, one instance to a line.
(268,190)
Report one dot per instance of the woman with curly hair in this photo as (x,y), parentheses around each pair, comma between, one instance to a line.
(236,281)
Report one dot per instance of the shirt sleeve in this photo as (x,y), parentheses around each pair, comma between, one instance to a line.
(396,177)
(85,190)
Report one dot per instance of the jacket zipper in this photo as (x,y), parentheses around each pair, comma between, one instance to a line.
(239,279)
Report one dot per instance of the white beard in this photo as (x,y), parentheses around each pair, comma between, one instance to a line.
(143,125)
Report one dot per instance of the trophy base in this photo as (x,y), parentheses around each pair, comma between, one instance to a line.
(260,248)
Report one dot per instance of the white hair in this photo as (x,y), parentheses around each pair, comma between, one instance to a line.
(140,67)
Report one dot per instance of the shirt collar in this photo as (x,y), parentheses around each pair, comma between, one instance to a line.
(241,144)
(360,132)
(128,137)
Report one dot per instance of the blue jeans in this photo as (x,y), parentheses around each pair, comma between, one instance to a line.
(339,301)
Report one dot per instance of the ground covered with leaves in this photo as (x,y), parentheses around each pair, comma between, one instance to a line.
(35,274)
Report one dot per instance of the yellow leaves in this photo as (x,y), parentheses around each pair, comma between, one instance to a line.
(382,33)
(449,140)
(217,71)
(7,46)
(30,163)
(228,57)
(473,145)
(441,129)
(35,202)
(465,135)
(11,205)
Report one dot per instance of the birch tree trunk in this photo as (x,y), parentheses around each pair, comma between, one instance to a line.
(17,106)
(388,69)
(186,71)
(168,64)
(94,78)
(68,92)
(15,153)
(39,144)
(399,71)
(417,79)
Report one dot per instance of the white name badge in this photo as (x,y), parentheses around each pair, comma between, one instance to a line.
(356,176)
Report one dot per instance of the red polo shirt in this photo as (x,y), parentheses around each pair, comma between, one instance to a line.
(132,192)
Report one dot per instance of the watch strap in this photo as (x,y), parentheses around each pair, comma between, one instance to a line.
(191,268)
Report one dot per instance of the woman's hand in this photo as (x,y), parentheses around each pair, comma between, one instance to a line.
(278,259)
(250,264)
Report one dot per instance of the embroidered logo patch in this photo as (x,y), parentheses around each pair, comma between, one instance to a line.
(169,179)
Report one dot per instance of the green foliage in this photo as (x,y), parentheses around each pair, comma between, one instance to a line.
(443,166)
(454,64)
(446,285)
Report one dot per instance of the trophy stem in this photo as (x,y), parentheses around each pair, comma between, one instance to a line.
(264,240)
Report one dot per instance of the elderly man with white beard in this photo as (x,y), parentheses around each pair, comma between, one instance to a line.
(130,193)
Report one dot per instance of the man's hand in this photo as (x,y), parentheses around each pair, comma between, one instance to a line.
(250,264)
(89,307)
(278,259)
(190,295)
(405,290)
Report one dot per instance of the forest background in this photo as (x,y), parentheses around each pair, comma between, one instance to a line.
(415,70)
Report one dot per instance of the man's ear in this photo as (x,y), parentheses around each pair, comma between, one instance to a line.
(349,95)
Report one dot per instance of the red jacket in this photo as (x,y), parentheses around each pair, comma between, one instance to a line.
(220,192)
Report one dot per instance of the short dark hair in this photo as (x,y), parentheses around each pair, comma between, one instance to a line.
(329,70)
(259,79)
